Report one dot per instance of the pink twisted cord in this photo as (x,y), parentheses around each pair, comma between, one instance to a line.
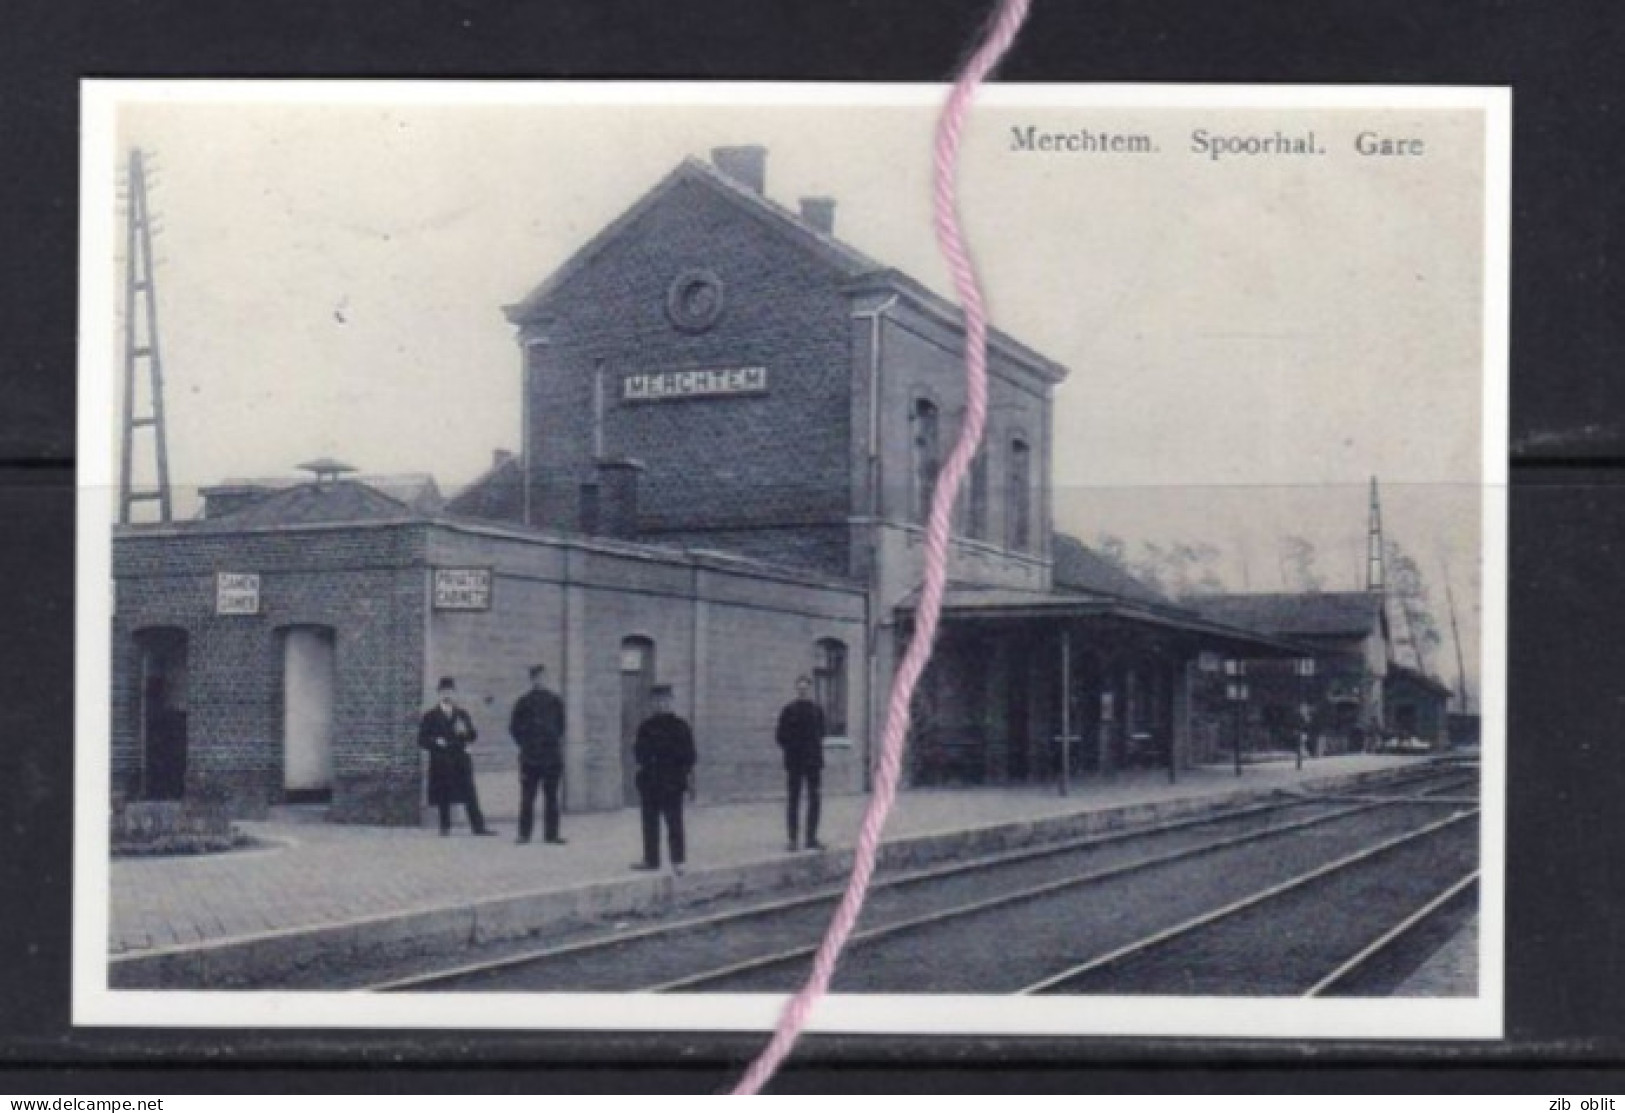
(1000,35)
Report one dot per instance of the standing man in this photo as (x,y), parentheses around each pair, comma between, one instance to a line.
(664,752)
(801,737)
(537,726)
(446,732)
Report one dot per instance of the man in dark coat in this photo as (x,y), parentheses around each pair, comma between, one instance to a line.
(446,731)
(537,726)
(664,752)
(801,737)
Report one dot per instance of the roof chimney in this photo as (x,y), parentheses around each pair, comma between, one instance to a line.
(500,457)
(609,500)
(745,165)
(819,212)
(327,470)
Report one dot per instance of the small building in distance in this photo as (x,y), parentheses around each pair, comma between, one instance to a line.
(1358,695)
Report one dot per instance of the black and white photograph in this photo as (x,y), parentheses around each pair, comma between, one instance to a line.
(502,515)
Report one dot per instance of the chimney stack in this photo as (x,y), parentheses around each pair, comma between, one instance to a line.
(819,212)
(745,165)
(609,501)
(499,457)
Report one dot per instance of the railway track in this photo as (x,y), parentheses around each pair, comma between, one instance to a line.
(1317,931)
(972,909)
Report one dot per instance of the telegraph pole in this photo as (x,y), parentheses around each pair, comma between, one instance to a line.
(141,351)
(1373,551)
(1455,634)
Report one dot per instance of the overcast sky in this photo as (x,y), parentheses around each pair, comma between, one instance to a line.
(1249,339)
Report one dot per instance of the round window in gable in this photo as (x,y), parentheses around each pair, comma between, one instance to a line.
(694,301)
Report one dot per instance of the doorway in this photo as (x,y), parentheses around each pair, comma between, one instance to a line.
(162,711)
(309,678)
(637,678)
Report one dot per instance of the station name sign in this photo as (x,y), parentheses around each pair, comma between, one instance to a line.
(237,593)
(661,386)
(462,589)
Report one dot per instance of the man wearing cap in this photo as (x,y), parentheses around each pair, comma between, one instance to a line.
(537,726)
(801,736)
(664,752)
(446,731)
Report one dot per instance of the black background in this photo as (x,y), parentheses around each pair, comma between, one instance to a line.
(1565,950)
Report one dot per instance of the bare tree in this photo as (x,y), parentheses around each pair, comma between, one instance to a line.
(1298,571)
(1407,587)
(1179,569)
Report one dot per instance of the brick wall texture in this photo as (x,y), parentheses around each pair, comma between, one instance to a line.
(719,468)
(731,639)
(365,584)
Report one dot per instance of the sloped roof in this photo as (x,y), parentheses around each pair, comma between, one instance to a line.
(417,491)
(1078,568)
(1321,614)
(847,262)
(1007,603)
(1406,674)
(498,495)
(344,500)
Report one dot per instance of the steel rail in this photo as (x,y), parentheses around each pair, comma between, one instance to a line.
(931,919)
(1454,801)
(829,893)
(1179,930)
(919,877)
(1392,935)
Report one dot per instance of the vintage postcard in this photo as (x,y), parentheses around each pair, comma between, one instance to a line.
(501,520)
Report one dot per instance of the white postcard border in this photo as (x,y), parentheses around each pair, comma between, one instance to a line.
(94,1003)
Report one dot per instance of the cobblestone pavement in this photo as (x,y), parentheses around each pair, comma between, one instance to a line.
(1451,972)
(312,874)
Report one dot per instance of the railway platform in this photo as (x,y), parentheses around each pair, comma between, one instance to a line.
(317,894)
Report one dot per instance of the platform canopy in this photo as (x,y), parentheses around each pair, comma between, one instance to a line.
(1103,614)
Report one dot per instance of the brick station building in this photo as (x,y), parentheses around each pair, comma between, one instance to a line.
(732,427)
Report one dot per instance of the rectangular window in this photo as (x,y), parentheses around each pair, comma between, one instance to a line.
(829,686)
(976,513)
(927,459)
(1019,505)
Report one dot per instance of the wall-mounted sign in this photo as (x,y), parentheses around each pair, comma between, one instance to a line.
(462,589)
(661,386)
(237,593)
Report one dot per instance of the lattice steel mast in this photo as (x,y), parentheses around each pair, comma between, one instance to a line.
(141,348)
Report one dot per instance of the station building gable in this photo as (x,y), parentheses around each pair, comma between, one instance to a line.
(699,337)
(786,396)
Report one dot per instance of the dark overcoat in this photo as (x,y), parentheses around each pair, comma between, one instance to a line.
(451,771)
(537,726)
(664,751)
(801,736)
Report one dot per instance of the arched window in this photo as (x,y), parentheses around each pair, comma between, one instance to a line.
(927,456)
(829,685)
(976,512)
(1019,503)
(161,711)
(637,679)
(309,711)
